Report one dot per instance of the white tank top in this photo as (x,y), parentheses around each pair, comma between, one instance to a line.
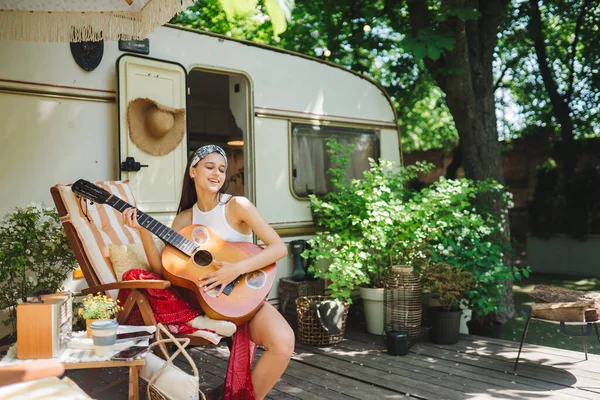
(216,221)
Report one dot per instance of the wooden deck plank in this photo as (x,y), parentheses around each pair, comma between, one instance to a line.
(575,358)
(451,376)
(359,368)
(403,384)
(544,375)
(324,384)
(529,358)
(493,381)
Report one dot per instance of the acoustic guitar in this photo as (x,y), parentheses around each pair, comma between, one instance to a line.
(189,256)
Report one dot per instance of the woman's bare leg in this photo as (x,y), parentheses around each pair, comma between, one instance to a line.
(269,329)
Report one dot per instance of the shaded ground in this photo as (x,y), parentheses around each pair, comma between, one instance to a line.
(359,368)
(542,333)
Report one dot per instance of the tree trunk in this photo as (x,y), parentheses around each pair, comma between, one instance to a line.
(561,107)
(452,168)
(470,92)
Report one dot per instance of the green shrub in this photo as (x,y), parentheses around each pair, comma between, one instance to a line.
(35,254)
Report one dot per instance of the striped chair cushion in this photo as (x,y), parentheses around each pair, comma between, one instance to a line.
(100,225)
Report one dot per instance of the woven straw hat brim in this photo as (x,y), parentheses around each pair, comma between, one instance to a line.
(140,135)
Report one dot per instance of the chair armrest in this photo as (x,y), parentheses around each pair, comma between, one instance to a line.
(31,371)
(141,284)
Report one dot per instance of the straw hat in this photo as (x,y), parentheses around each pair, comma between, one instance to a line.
(154,128)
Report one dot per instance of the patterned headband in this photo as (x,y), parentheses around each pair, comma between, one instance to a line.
(205,151)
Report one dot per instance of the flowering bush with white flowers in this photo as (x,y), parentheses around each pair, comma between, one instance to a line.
(463,230)
(370,220)
(34,254)
(360,222)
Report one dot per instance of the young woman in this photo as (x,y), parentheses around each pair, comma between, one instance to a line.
(203,201)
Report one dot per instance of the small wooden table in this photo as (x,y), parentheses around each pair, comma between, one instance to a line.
(133,366)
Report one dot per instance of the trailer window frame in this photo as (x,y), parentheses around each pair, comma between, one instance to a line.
(315,178)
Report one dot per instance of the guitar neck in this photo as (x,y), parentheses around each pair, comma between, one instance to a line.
(165,233)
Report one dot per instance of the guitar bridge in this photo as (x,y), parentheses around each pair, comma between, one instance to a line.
(229,288)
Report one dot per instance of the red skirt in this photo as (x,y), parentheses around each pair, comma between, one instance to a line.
(170,309)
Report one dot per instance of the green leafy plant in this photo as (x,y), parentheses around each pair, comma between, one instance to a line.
(99,307)
(34,255)
(360,222)
(464,231)
(370,220)
(447,283)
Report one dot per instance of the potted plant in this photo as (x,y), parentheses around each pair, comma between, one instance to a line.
(448,285)
(469,236)
(35,257)
(360,221)
(98,307)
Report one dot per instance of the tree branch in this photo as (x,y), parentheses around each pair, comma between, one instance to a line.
(535,29)
(419,19)
(561,108)
(487,25)
(573,50)
(507,65)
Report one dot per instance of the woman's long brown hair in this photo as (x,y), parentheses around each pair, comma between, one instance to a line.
(188,190)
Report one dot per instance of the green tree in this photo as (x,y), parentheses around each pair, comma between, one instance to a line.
(354,34)
(551,56)
(209,15)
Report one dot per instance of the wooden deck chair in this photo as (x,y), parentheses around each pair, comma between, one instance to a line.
(90,228)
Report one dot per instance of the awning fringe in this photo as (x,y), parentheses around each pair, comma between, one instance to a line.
(79,27)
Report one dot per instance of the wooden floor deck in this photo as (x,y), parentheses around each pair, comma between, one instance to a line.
(359,368)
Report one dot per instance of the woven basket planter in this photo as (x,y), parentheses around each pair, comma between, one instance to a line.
(310,330)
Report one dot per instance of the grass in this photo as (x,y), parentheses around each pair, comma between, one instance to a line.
(543,333)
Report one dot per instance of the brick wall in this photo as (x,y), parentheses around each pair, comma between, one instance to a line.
(521,159)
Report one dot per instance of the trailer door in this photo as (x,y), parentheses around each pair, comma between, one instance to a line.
(156,180)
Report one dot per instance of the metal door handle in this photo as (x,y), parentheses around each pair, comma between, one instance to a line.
(131,165)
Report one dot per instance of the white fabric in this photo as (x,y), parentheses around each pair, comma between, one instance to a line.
(173,382)
(81,348)
(216,221)
(44,389)
(223,328)
(72,5)
(83,20)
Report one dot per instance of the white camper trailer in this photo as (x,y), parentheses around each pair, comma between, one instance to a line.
(270,109)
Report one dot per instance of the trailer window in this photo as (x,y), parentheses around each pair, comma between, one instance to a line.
(310,160)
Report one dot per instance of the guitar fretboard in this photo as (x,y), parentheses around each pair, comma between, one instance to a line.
(162,231)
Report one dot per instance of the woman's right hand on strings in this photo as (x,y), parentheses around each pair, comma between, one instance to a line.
(130,218)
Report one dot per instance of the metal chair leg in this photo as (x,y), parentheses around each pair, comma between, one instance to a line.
(522,341)
(596,329)
(584,343)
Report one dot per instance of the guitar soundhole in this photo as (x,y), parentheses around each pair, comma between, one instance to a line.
(203,258)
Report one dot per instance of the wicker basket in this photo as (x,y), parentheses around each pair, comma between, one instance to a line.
(149,393)
(310,330)
(290,290)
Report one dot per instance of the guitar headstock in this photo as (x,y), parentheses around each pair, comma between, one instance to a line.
(90,191)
